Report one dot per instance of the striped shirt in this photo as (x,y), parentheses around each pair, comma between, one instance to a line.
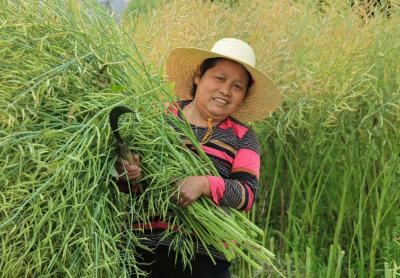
(234,150)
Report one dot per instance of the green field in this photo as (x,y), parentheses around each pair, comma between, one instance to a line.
(329,204)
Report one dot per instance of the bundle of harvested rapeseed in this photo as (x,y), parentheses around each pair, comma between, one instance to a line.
(64,66)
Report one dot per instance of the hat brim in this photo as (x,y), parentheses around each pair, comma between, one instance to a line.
(262,98)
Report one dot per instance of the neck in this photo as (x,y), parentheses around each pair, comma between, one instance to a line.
(196,117)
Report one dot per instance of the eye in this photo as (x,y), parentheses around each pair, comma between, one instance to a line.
(238,87)
(219,77)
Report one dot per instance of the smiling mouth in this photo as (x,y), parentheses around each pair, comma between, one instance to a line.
(220,100)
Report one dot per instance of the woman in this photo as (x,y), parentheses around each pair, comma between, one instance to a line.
(220,88)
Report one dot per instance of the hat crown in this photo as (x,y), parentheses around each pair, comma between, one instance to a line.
(235,49)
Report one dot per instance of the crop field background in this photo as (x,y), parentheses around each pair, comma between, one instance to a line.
(329,203)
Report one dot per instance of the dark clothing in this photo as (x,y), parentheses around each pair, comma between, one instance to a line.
(161,264)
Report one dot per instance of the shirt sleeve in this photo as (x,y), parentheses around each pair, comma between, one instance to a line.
(240,189)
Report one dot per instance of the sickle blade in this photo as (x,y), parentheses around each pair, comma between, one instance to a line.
(114,115)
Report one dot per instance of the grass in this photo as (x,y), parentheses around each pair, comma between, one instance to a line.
(330,154)
(328,205)
(65,65)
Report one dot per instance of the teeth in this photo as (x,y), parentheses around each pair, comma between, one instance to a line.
(220,100)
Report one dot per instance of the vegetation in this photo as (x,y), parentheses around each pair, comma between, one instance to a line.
(65,65)
(329,205)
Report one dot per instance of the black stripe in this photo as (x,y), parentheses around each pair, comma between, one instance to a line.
(220,148)
(220,159)
(243,176)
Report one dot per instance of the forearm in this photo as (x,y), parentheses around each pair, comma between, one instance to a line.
(239,194)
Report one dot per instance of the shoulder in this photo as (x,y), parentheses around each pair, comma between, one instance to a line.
(244,134)
(171,107)
(239,129)
(175,107)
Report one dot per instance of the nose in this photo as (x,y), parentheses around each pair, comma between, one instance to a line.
(225,89)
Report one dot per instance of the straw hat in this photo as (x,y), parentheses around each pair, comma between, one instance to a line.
(262,98)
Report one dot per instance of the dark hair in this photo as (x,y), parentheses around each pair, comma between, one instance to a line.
(210,63)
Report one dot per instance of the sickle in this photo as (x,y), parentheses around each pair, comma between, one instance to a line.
(122,148)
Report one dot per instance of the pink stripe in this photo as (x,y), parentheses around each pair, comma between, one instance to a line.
(217,187)
(218,153)
(238,129)
(247,159)
(172,108)
(174,111)
(251,198)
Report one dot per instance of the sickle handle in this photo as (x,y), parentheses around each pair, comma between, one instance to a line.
(124,152)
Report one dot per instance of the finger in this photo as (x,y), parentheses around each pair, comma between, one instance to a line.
(186,203)
(128,170)
(135,171)
(178,198)
(136,159)
(135,176)
(183,199)
(132,168)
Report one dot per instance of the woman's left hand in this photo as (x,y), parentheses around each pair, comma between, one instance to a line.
(192,188)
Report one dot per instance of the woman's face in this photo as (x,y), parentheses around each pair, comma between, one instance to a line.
(221,89)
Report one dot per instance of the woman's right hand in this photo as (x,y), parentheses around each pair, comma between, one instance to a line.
(125,170)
